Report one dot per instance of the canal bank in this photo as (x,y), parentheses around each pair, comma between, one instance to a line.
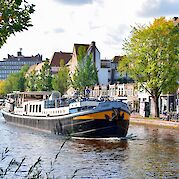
(137,119)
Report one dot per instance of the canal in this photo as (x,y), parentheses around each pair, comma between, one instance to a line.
(149,152)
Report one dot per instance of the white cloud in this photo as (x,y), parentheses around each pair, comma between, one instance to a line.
(58,25)
(156,8)
(75,2)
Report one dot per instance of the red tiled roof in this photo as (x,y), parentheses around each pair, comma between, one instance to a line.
(116,59)
(57,56)
(76,46)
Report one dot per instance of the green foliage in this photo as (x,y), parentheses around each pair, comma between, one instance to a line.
(21,81)
(2,90)
(125,80)
(14,17)
(31,81)
(61,80)
(152,57)
(85,72)
(40,81)
(44,79)
(16,81)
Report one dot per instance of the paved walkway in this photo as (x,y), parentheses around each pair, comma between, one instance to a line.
(137,119)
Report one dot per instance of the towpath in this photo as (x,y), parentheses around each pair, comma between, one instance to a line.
(137,119)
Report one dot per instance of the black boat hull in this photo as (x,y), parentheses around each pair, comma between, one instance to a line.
(101,128)
(73,126)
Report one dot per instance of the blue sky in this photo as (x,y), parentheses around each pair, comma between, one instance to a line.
(58,24)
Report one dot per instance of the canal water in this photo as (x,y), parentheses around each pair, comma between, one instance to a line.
(149,152)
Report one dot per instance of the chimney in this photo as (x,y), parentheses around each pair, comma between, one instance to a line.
(93,44)
(19,53)
(175,20)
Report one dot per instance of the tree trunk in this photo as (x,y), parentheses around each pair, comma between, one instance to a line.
(156,105)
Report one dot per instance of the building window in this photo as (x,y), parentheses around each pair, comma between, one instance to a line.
(40,109)
(122,92)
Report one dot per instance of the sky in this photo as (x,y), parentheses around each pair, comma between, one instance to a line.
(58,24)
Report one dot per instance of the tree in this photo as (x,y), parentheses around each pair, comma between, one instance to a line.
(125,80)
(16,81)
(14,17)
(31,80)
(21,80)
(152,58)
(2,89)
(44,79)
(61,80)
(85,72)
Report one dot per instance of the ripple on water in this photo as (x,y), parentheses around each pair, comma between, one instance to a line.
(149,152)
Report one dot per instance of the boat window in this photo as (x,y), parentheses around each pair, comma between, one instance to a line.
(49,104)
(40,109)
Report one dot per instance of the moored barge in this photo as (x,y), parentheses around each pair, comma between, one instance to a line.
(66,116)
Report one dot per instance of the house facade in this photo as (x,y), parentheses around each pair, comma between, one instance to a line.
(109,71)
(106,68)
(167,102)
(73,61)
(126,92)
(36,67)
(91,49)
(104,72)
(138,99)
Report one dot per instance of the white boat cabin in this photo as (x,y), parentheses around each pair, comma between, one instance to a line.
(45,104)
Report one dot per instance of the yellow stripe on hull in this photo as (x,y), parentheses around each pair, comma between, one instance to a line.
(126,115)
(102,115)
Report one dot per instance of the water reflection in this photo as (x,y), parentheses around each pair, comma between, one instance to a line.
(102,144)
(153,153)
